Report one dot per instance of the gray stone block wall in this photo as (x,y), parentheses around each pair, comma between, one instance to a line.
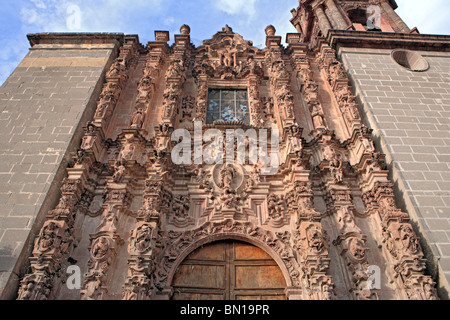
(410,114)
(43,106)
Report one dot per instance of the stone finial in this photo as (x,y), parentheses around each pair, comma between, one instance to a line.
(227,29)
(185,29)
(270,30)
(162,36)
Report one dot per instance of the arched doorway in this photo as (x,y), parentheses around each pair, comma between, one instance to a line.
(228,270)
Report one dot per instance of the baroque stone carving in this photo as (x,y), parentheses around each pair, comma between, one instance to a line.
(182,207)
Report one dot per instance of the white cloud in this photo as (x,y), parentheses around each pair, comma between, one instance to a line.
(39,4)
(45,15)
(238,7)
(103,15)
(169,21)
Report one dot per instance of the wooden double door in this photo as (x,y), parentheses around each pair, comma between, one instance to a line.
(229,270)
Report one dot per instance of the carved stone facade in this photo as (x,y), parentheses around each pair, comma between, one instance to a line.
(128,215)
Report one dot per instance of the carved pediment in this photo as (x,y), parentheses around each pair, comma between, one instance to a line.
(227,55)
(226,39)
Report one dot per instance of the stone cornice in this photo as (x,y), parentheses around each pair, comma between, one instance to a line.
(48,40)
(388,40)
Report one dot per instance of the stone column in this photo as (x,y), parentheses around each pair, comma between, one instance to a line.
(336,15)
(324,24)
(311,240)
(394,17)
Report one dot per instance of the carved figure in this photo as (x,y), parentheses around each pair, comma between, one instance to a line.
(275,206)
(143,237)
(180,206)
(227,175)
(138,119)
(48,236)
(100,248)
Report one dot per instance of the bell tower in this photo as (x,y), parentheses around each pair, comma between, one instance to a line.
(396,76)
(315,18)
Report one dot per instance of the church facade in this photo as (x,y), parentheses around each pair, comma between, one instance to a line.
(225,171)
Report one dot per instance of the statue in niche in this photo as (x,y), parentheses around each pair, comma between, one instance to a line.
(268,104)
(227,175)
(128,148)
(144,87)
(89,137)
(100,248)
(336,166)
(138,119)
(317,116)
(252,65)
(106,100)
(119,170)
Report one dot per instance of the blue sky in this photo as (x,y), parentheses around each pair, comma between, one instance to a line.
(142,17)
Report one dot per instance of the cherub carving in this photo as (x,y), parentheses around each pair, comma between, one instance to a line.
(180,206)
(275,206)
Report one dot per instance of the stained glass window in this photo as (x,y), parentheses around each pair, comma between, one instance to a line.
(227,105)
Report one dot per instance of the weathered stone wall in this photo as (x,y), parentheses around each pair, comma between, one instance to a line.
(410,114)
(44,105)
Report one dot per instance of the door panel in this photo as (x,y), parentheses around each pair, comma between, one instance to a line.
(259,277)
(260,297)
(229,270)
(211,252)
(244,251)
(197,296)
(212,276)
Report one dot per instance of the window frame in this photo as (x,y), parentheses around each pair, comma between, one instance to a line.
(217,116)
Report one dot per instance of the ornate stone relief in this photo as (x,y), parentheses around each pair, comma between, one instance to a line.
(184,207)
